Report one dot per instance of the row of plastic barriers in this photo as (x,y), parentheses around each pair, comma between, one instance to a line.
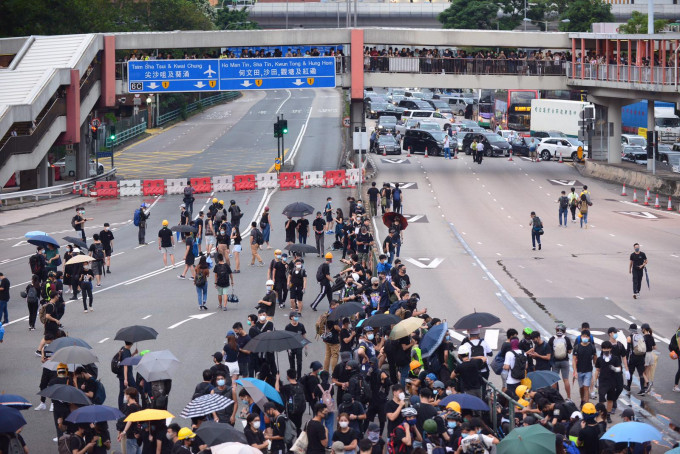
(285,180)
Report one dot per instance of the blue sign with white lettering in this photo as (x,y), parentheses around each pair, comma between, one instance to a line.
(168,76)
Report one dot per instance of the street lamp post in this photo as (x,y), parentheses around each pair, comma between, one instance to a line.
(149,107)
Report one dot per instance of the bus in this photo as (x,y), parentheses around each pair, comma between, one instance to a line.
(509,108)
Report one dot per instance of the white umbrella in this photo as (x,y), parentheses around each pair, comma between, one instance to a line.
(75,355)
(159,365)
(234,448)
(80,258)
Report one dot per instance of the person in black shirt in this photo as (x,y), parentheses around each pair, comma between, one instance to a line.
(290,230)
(189,257)
(317,434)
(254,437)
(346,434)
(541,352)
(166,242)
(125,373)
(277,423)
(373,194)
(393,408)
(332,340)
(636,267)
(347,336)
(609,370)
(297,283)
(143,216)
(583,358)
(106,237)
(236,214)
(469,372)
(302,230)
(295,355)
(325,280)
(319,225)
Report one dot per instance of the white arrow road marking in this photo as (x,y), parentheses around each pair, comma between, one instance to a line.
(191,317)
(564,182)
(434,263)
(640,214)
(414,218)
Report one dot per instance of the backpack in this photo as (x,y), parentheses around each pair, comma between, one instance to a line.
(31,294)
(476,350)
(222,276)
(519,369)
(98,253)
(290,434)
(477,446)
(259,238)
(537,223)
(63,445)
(327,398)
(187,191)
(560,348)
(137,218)
(319,274)
(360,389)
(497,363)
(396,194)
(34,263)
(115,362)
(202,389)
(639,346)
(391,448)
(42,313)
(296,403)
(194,248)
(200,279)
(321,325)
(564,202)
(73,222)
(99,393)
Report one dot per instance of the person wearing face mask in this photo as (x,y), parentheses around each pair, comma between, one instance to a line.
(129,430)
(242,339)
(302,227)
(254,437)
(295,355)
(106,237)
(345,434)
(394,407)
(277,272)
(473,441)
(319,225)
(78,222)
(367,347)
(236,240)
(405,433)
(619,351)
(609,372)
(223,239)
(248,406)
(277,423)
(267,303)
(636,267)
(560,348)
(225,387)
(297,283)
(166,243)
(583,359)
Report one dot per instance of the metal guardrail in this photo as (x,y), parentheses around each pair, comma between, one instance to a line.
(53,191)
(126,134)
(657,75)
(463,66)
(206,102)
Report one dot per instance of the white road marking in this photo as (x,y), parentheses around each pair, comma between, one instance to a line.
(549,281)
(14,260)
(579,297)
(19,285)
(559,244)
(298,140)
(192,317)
(611,234)
(657,337)
(673,255)
(610,317)
(117,253)
(498,254)
(144,318)
(103,340)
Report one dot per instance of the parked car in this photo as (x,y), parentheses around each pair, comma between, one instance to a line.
(441,106)
(386,123)
(632,139)
(494,145)
(546,134)
(507,134)
(520,146)
(666,155)
(386,142)
(418,140)
(428,125)
(458,105)
(551,147)
(410,123)
(635,154)
(415,104)
(429,115)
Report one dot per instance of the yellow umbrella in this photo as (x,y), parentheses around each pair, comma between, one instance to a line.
(406,327)
(80,258)
(148,415)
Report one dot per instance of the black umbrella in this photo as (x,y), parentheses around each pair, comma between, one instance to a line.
(136,333)
(275,341)
(476,320)
(380,320)
(346,310)
(213,433)
(76,241)
(184,228)
(66,342)
(300,248)
(66,393)
(298,209)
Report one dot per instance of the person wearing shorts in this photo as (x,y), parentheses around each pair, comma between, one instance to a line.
(166,242)
(583,359)
(209,236)
(561,365)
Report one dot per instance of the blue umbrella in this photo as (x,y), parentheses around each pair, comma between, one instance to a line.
(15,401)
(433,339)
(674,451)
(466,401)
(265,388)
(42,240)
(94,413)
(10,419)
(543,378)
(131,361)
(632,432)
(33,233)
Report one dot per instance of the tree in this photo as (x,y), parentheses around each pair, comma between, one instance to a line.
(206,8)
(637,24)
(46,17)
(583,13)
(234,19)
(470,14)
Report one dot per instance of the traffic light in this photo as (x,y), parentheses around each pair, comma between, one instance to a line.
(94,130)
(652,143)
(112,132)
(284,126)
(277,129)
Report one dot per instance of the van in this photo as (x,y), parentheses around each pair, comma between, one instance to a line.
(458,105)
(418,141)
(428,115)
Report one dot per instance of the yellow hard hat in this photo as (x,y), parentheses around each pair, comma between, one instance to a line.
(221,202)
(526,382)
(523,402)
(165,222)
(214,199)
(185,433)
(328,255)
(453,406)
(588,409)
(62,366)
(277,252)
(414,364)
(521,389)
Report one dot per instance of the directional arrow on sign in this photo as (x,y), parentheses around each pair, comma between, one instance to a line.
(199,84)
(639,214)
(153,85)
(298,82)
(425,262)
(246,83)
(196,317)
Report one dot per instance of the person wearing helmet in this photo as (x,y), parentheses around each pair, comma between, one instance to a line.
(403,435)
(325,280)
(469,371)
(166,243)
(589,435)
(185,438)
(268,302)
(561,348)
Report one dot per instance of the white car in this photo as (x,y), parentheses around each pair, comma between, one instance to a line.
(410,123)
(551,147)
(634,140)
(428,115)
(507,134)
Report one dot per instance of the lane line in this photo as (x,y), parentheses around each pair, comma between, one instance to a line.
(19,285)
(103,340)
(298,141)
(144,318)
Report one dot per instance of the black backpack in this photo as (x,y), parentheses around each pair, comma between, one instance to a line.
(99,393)
(115,362)
(320,277)
(476,350)
(73,222)
(259,238)
(200,279)
(98,253)
(360,389)
(519,369)
(296,402)
(34,263)
(564,202)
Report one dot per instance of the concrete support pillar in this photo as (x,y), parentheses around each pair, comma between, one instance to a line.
(614,119)
(82,152)
(650,125)
(43,179)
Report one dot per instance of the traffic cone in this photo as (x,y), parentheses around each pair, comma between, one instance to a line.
(455,153)
(426,153)
(384,151)
(510,158)
(647,198)
(635,199)
(538,157)
(560,161)
(623,191)
(656,202)
(670,204)
(409,152)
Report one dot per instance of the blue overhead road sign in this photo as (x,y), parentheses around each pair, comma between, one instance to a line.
(167,76)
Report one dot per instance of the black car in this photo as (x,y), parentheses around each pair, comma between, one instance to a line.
(415,104)
(494,145)
(379,109)
(386,123)
(418,140)
(374,108)
(386,142)
(520,147)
